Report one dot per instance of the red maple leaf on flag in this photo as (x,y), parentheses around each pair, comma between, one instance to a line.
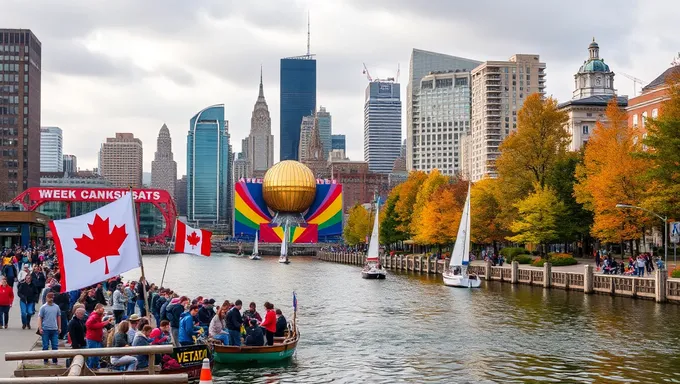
(103,243)
(193,239)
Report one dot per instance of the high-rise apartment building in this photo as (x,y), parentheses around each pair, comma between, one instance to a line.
(208,167)
(20,77)
(499,89)
(51,149)
(70,164)
(258,147)
(421,64)
(298,99)
(164,166)
(306,128)
(325,122)
(121,160)
(338,142)
(382,125)
(240,167)
(444,105)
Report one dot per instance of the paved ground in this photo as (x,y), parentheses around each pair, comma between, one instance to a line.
(567,268)
(15,339)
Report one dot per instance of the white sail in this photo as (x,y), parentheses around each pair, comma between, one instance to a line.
(374,244)
(255,250)
(461,250)
(284,245)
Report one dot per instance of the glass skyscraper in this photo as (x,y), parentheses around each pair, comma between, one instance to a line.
(382,125)
(338,142)
(298,99)
(208,159)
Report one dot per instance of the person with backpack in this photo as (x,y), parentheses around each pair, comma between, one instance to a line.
(174,312)
(10,272)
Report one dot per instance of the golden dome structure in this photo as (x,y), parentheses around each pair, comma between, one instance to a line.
(289,187)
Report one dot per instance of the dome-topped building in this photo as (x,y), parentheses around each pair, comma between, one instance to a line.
(593,89)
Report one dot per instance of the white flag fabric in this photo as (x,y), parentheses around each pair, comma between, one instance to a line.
(97,245)
(190,240)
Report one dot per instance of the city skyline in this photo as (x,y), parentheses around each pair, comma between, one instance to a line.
(147,81)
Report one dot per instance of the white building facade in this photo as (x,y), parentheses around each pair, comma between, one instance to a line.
(51,149)
(382,125)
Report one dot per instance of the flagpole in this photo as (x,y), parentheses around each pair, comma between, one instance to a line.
(139,254)
(167,257)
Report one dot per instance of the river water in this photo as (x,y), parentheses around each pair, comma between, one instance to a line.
(410,328)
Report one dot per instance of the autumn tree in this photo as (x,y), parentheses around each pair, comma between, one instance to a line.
(358,225)
(439,218)
(403,208)
(486,225)
(610,174)
(663,140)
(538,218)
(389,222)
(432,183)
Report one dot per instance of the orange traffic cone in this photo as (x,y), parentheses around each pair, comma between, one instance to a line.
(206,373)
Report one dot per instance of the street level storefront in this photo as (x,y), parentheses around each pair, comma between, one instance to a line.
(22,228)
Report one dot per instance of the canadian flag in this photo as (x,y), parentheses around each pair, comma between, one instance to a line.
(190,240)
(97,245)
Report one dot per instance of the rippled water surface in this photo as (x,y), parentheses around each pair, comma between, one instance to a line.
(411,328)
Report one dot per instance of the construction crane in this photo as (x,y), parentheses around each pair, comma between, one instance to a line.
(368,75)
(636,81)
(389,79)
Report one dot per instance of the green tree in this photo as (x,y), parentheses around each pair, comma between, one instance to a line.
(538,217)
(486,226)
(389,222)
(358,225)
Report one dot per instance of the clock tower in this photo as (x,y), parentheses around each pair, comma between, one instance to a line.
(594,77)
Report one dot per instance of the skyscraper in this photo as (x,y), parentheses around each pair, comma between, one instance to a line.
(20,78)
(444,104)
(70,164)
(240,167)
(164,166)
(121,160)
(51,150)
(325,122)
(422,63)
(306,127)
(499,89)
(338,142)
(382,125)
(258,147)
(181,195)
(208,166)
(298,99)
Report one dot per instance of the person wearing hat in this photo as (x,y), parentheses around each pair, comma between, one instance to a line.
(206,314)
(134,323)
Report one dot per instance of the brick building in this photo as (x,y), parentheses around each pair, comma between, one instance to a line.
(648,104)
(359,185)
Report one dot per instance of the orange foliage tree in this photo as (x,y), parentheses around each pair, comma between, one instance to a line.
(432,183)
(486,226)
(439,218)
(610,174)
(408,191)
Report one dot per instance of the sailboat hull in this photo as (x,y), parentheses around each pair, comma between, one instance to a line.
(255,257)
(461,281)
(380,275)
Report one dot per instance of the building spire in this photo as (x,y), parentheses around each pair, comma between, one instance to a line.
(261,94)
(309,38)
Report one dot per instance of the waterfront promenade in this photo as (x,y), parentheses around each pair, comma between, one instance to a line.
(16,339)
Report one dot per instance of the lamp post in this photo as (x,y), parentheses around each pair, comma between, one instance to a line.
(665,228)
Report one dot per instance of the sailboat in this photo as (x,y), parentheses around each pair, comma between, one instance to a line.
(373,269)
(284,247)
(457,275)
(256,253)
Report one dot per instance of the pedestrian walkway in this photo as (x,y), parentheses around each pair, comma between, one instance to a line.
(567,268)
(15,339)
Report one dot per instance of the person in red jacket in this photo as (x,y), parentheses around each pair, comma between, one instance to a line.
(6,300)
(269,323)
(94,333)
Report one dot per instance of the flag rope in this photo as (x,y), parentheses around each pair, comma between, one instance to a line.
(167,257)
(141,263)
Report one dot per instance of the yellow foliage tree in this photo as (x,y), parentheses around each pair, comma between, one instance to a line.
(539,213)
(408,191)
(435,180)
(486,225)
(611,174)
(439,218)
(358,225)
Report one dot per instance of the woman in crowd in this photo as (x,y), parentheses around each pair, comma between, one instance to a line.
(6,300)
(218,324)
(269,323)
(129,363)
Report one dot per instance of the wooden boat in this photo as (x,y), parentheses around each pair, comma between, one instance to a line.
(283,259)
(256,253)
(457,275)
(373,269)
(283,349)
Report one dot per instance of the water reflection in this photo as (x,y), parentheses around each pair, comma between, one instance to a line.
(411,328)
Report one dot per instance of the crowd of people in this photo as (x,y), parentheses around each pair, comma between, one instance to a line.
(113,313)
(636,266)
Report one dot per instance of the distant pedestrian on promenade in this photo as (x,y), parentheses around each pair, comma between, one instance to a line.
(6,300)
(49,325)
(28,296)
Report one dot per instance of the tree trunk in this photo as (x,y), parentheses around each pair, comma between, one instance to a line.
(630,243)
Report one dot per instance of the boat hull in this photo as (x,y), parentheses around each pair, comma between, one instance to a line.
(374,275)
(255,355)
(255,257)
(461,281)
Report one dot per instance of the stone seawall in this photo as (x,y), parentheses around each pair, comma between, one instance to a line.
(659,288)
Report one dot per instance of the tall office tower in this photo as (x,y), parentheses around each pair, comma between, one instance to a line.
(51,150)
(20,56)
(338,142)
(306,128)
(382,125)
(258,147)
(421,64)
(121,160)
(208,164)
(325,122)
(240,167)
(70,164)
(444,104)
(499,89)
(298,99)
(164,166)
(181,195)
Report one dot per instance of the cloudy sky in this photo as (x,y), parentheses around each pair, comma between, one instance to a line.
(131,65)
